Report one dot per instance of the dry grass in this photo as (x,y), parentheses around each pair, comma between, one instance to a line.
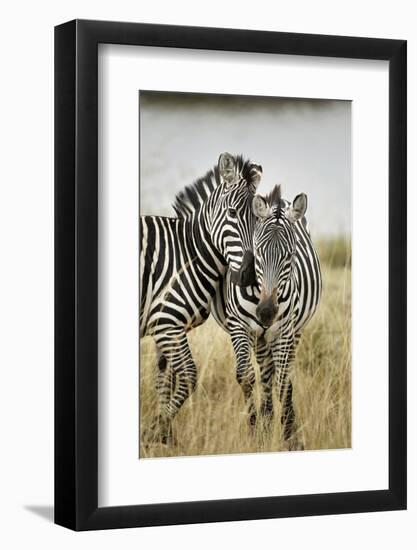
(213,420)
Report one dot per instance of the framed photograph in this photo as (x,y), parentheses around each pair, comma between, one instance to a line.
(230,275)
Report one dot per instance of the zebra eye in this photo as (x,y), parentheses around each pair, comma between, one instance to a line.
(232,212)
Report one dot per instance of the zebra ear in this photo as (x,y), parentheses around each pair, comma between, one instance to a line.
(260,207)
(227,168)
(298,208)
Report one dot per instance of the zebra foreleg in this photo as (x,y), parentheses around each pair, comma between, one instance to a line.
(165,387)
(267,370)
(165,380)
(177,377)
(287,412)
(245,373)
(283,354)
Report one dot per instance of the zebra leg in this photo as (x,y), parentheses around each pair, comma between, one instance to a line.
(287,413)
(245,373)
(267,370)
(165,380)
(165,387)
(283,352)
(177,377)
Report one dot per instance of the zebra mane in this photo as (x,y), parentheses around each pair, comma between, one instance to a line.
(274,200)
(193,196)
(274,197)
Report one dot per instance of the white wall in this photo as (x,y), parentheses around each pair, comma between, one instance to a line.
(26,287)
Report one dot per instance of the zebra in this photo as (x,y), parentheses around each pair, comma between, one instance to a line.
(182,260)
(269,316)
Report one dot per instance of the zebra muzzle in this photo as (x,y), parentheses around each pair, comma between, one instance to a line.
(267,311)
(245,276)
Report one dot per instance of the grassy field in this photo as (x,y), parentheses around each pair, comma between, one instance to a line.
(213,420)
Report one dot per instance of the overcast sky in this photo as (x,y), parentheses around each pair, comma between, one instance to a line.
(303,144)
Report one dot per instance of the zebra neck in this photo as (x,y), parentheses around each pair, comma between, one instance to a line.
(200,243)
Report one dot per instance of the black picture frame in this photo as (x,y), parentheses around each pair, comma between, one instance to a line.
(76,272)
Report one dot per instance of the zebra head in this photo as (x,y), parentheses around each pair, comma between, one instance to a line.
(232,218)
(274,243)
(219,208)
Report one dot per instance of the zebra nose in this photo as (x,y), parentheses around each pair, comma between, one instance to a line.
(266,312)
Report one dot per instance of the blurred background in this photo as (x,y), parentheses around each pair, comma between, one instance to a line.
(303,144)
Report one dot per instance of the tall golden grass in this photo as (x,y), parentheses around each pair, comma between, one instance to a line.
(214,421)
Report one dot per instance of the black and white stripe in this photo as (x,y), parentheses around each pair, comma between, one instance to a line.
(269,317)
(182,261)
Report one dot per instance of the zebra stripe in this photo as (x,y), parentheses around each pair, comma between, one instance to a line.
(182,261)
(269,317)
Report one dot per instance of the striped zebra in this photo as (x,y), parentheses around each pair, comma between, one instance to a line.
(269,317)
(182,261)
